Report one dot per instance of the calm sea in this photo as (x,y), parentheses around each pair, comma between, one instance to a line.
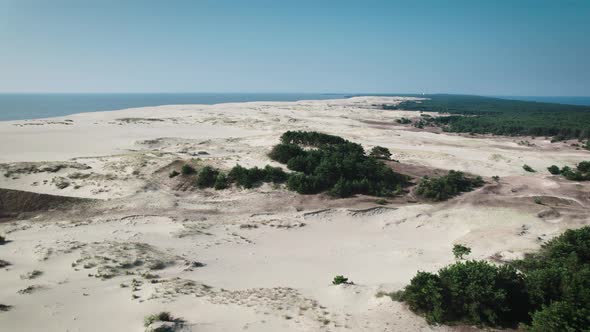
(20,106)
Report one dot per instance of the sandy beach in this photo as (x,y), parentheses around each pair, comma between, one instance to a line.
(99,236)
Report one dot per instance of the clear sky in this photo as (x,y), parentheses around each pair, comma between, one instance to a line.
(495,47)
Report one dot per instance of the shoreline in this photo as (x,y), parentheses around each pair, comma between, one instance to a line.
(214,97)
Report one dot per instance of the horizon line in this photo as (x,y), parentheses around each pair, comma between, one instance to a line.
(286,92)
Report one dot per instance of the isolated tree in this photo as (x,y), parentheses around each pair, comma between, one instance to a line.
(460,250)
(380,152)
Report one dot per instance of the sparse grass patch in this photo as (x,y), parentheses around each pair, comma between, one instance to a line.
(31,275)
(394,296)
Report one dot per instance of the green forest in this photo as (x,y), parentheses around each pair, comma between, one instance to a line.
(486,115)
(545,291)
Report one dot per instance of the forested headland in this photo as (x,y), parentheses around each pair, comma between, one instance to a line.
(486,115)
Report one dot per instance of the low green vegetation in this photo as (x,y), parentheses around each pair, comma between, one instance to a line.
(221,181)
(447,186)
(330,163)
(580,173)
(486,115)
(460,250)
(554,170)
(528,168)
(2,239)
(403,120)
(338,280)
(187,170)
(327,163)
(207,177)
(545,291)
(380,152)
(173,174)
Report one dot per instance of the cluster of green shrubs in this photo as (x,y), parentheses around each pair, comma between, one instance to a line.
(311,138)
(320,163)
(330,163)
(581,173)
(545,291)
(248,177)
(447,186)
(209,177)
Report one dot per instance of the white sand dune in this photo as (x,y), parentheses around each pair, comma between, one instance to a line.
(259,259)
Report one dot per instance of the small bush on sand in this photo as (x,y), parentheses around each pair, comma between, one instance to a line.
(174,173)
(163,316)
(2,239)
(553,170)
(447,186)
(187,170)
(538,200)
(338,280)
(528,168)
(380,152)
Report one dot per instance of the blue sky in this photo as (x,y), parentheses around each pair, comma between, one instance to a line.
(495,47)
